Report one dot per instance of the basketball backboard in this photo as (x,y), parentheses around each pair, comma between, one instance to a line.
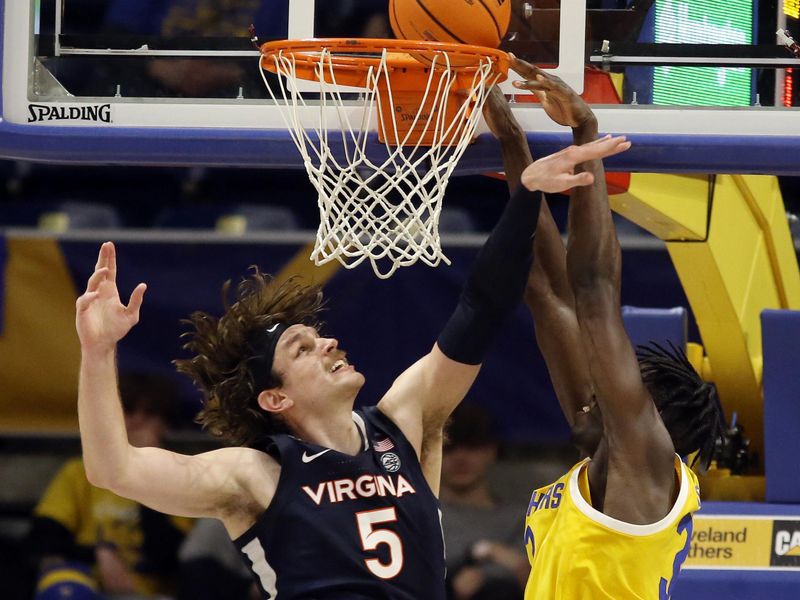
(126,82)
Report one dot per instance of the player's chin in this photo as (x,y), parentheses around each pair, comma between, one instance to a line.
(360,378)
(349,376)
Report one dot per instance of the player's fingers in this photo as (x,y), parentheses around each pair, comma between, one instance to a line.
(620,148)
(542,96)
(523,68)
(580,179)
(83,302)
(96,279)
(538,72)
(612,146)
(546,82)
(101,257)
(529,84)
(135,303)
(531,71)
(564,154)
(606,146)
(112,261)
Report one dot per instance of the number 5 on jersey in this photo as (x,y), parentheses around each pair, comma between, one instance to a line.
(372,537)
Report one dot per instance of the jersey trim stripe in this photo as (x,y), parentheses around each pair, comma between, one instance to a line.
(266,574)
(362,427)
(621,526)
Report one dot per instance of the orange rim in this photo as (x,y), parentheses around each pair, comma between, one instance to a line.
(351,58)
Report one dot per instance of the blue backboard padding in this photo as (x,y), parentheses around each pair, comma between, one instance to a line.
(273,149)
(658,325)
(780,332)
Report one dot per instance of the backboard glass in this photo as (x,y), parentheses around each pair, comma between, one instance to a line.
(168,82)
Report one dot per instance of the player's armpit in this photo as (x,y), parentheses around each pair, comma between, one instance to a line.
(423,396)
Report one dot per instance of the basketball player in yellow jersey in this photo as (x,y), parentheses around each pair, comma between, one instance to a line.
(619,523)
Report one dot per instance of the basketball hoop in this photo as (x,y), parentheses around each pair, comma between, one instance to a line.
(380,201)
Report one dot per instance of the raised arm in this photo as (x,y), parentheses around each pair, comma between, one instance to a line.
(551,303)
(593,262)
(191,486)
(423,397)
(548,293)
(512,138)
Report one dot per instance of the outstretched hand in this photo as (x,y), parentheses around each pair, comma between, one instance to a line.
(559,101)
(101,319)
(556,173)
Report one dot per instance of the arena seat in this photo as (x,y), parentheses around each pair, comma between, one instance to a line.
(59,216)
(228,218)
(780,335)
(456,220)
(659,325)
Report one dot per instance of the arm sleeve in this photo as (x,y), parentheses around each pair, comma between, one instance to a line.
(49,537)
(57,517)
(495,283)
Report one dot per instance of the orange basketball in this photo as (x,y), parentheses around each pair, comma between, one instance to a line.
(476,22)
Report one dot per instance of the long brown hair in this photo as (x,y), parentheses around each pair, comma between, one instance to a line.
(222,352)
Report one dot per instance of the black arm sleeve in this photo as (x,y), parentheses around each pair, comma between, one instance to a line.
(495,283)
(48,537)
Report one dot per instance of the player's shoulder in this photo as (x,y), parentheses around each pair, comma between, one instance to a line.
(254,477)
(384,423)
(250,467)
(375,414)
(240,456)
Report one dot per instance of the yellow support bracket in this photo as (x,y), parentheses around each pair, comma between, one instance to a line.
(729,240)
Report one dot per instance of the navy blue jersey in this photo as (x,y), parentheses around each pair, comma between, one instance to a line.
(349,527)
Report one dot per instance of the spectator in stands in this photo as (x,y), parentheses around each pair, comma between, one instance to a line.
(482,533)
(86,538)
(211,568)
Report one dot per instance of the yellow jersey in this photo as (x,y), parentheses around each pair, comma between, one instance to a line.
(577,552)
(93,514)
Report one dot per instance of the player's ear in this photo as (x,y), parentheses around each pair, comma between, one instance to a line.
(274,401)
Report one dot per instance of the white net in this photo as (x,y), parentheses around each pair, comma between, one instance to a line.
(379,202)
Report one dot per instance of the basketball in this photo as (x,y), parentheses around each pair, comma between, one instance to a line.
(475,22)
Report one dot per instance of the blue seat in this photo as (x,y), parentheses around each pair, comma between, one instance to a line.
(659,325)
(59,216)
(780,341)
(456,220)
(234,218)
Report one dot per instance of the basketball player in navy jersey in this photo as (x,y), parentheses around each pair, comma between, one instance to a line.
(324,502)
